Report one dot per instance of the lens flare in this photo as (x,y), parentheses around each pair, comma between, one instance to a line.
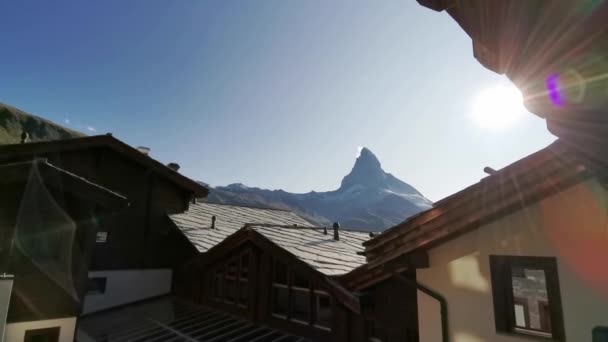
(554,90)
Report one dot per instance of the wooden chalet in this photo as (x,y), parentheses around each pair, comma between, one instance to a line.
(205,225)
(519,255)
(281,273)
(135,249)
(49,219)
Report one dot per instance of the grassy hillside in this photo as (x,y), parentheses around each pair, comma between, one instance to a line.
(14,121)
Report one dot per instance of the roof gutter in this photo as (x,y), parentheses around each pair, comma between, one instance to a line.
(433,294)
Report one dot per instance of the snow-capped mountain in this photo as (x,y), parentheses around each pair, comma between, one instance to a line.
(368,198)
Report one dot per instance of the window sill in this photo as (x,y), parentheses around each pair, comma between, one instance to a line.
(299,321)
(528,336)
(320,327)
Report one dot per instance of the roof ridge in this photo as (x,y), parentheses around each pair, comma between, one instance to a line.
(557,147)
(245,206)
(271,225)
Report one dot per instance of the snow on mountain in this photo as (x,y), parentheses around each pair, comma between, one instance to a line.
(368,198)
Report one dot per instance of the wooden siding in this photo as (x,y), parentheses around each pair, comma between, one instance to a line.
(196,281)
(134,234)
(392,306)
(36,293)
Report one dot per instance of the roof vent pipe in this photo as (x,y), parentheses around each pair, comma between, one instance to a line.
(173,166)
(213,218)
(143,149)
(489,170)
(336,231)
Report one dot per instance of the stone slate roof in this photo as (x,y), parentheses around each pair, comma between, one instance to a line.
(173,319)
(196,222)
(317,249)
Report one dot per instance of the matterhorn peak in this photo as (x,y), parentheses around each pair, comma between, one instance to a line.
(367,171)
(367,159)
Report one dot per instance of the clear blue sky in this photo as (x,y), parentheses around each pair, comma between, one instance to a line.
(276,94)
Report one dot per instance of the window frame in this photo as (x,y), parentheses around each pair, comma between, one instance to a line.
(223,277)
(101,284)
(312,290)
(53,332)
(101,236)
(504,301)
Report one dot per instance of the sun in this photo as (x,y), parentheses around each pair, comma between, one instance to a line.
(498,107)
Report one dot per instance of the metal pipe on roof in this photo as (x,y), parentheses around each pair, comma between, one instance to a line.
(489,170)
(336,231)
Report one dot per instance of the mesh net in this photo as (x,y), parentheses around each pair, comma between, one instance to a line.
(45,233)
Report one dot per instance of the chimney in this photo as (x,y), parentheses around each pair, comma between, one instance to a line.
(213,218)
(173,166)
(25,137)
(143,149)
(325,230)
(336,231)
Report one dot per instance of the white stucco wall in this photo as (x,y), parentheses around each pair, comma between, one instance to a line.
(6,285)
(126,286)
(571,226)
(15,332)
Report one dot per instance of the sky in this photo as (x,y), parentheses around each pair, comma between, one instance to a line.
(271,93)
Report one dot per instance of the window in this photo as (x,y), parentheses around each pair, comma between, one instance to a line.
(243,281)
(600,334)
(526,296)
(295,299)
(42,335)
(300,299)
(217,283)
(372,331)
(231,281)
(96,285)
(280,290)
(101,237)
(322,310)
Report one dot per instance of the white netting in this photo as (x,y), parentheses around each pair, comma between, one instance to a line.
(45,233)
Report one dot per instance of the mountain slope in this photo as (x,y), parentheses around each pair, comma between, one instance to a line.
(368,198)
(14,121)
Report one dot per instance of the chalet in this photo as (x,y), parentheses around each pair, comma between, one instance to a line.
(49,219)
(205,225)
(134,250)
(272,268)
(519,255)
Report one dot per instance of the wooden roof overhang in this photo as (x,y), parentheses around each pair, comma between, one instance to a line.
(63,181)
(246,234)
(516,186)
(107,141)
(531,42)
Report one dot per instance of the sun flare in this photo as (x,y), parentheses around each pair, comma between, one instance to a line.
(497,107)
